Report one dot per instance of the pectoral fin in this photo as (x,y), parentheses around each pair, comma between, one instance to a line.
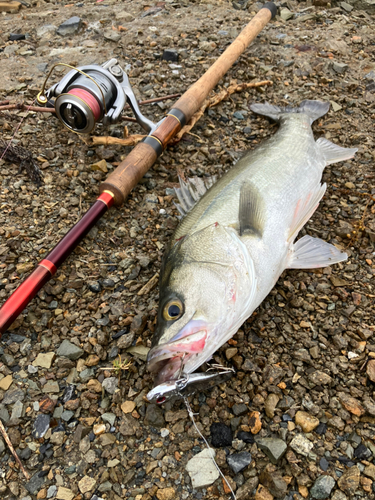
(311,253)
(251,210)
(304,210)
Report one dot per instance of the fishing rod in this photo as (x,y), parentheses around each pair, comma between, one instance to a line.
(93,93)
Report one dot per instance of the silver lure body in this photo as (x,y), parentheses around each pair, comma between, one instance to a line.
(187,385)
(233,244)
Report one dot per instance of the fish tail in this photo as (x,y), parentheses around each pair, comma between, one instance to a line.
(314,109)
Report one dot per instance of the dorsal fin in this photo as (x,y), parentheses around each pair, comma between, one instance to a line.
(251,210)
(191,191)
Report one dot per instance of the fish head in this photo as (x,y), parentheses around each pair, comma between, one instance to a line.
(198,302)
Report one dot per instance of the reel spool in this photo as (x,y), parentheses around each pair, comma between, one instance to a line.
(90,94)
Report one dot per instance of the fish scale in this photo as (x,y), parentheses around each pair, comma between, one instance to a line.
(238,237)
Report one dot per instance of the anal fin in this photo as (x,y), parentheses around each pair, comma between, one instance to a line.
(311,253)
(334,153)
(251,210)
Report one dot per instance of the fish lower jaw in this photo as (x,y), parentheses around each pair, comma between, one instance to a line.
(168,360)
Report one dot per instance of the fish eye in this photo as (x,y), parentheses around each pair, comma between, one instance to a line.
(172,310)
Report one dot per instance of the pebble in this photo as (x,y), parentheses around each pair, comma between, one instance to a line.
(221,435)
(323,464)
(35,483)
(6,382)
(285,14)
(320,378)
(239,461)
(362,452)
(170,55)
(86,484)
(154,416)
(44,360)
(63,493)
(274,448)
(270,404)
(202,469)
(262,493)
(69,350)
(272,480)
(340,68)
(349,481)
(306,421)
(41,425)
(255,423)
(322,487)
(166,494)
(69,27)
(301,445)
(110,384)
(128,406)
(370,370)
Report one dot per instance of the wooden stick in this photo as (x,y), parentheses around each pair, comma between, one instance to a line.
(6,437)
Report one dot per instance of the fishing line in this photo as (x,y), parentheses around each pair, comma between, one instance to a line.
(191,415)
(15,132)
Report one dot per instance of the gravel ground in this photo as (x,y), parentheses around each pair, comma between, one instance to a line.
(298,418)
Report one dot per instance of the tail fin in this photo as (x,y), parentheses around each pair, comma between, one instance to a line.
(314,109)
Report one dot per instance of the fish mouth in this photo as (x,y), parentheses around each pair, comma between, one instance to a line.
(167,359)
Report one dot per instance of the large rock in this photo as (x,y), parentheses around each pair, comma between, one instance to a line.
(202,469)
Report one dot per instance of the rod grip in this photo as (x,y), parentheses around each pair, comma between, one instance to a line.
(130,171)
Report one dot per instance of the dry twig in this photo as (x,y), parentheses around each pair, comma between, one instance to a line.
(132,140)
(6,437)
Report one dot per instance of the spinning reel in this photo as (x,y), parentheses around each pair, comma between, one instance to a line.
(90,94)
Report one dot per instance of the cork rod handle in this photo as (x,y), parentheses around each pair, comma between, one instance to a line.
(122,180)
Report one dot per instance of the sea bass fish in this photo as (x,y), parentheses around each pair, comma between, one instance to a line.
(238,236)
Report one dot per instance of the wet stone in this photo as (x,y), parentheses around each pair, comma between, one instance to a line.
(94,286)
(221,435)
(239,461)
(322,487)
